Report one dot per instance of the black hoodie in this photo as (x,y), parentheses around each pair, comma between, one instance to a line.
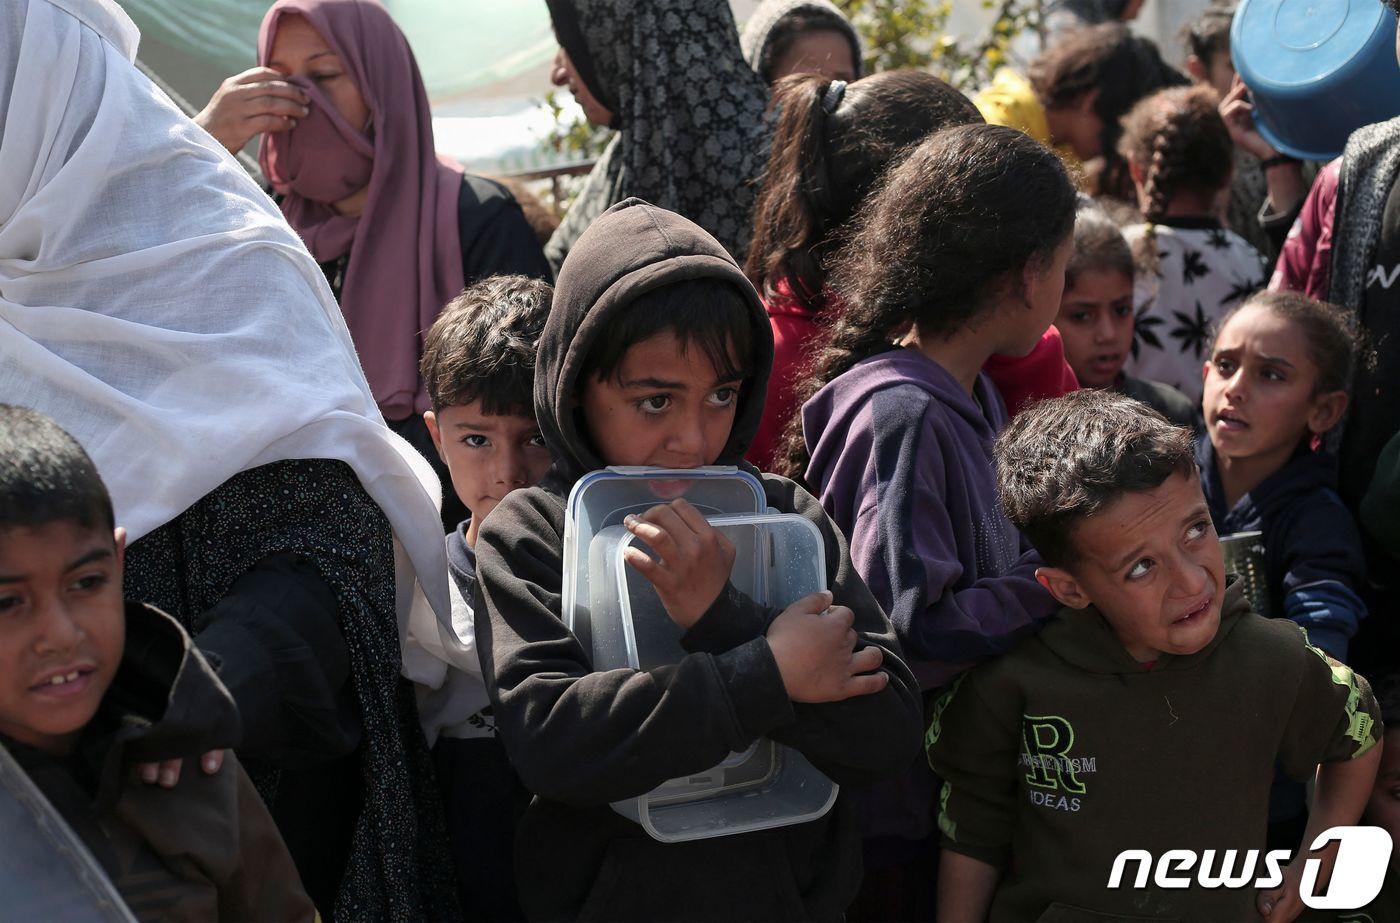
(206,849)
(1314,563)
(580,739)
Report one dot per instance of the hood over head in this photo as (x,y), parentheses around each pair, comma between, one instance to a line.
(632,248)
(763,24)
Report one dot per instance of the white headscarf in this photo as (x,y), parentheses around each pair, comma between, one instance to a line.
(155,303)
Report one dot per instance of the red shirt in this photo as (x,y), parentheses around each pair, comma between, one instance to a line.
(798,328)
(1040,374)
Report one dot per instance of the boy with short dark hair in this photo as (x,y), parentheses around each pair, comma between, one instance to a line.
(479,370)
(1149,712)
(657,352)
(90,685)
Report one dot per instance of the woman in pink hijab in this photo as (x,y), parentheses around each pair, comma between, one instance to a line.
(347,144)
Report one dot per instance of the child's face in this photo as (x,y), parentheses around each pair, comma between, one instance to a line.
(488,455)
(1151,563)
(1096,324)
(664,406)
(62,629)
(1079,127)
(1383,808)
(1029,313)
(1220,73)
(1259,382)
(817,51)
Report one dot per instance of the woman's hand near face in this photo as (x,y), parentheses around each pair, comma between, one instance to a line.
(247,104)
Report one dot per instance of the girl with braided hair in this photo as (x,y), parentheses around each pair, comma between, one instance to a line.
(959,255)
(1191,269)
(831,144)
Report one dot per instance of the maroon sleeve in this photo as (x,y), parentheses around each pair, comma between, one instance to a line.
(1305,262)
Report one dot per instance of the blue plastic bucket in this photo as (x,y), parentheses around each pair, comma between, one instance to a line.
(1317,69)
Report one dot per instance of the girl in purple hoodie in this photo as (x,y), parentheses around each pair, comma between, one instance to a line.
(959,256)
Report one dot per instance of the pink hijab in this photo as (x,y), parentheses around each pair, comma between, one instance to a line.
(405,252)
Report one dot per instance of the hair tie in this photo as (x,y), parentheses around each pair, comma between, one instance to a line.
(831,100)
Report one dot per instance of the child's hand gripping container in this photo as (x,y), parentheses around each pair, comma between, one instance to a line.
(1317,70)
(779,558)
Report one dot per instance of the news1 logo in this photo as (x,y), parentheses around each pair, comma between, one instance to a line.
(1363,854)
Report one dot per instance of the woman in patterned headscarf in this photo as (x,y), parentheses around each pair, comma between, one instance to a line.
(669,75)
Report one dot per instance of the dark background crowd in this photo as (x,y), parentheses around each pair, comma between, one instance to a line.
(286,459)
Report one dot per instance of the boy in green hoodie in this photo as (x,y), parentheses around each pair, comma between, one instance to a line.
(1148,714)
(91,685)
(657,352)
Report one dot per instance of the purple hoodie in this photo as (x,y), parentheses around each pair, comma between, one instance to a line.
(902,458)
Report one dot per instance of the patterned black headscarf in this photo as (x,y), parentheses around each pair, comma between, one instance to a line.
(316,508)
(690,112)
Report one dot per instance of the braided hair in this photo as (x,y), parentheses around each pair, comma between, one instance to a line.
(832,143)
(1180,143)
(968,209)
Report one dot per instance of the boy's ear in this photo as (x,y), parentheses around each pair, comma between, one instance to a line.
(1326,412)
(1137,173)
(430,420)
(119,536)
(1063,586)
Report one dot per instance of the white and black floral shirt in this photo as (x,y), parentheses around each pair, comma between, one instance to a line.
(1202,271)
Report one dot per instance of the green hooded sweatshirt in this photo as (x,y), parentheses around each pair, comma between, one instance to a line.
(1066,752)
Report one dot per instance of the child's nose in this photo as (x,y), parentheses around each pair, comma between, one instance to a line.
(60,629)
(1190,577)
(511,470)
(1103,329)
(687,441)
(1235,388)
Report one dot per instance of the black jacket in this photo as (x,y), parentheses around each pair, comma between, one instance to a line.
(582,739)
(1164,399)
(1313,560)
(204,850)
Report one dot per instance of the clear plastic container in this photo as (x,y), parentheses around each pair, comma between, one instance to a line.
(603,498)
(779,558)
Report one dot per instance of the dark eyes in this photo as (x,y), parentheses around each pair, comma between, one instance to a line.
(1195,531)
(90,582)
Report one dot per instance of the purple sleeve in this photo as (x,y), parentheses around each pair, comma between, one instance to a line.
(907,546)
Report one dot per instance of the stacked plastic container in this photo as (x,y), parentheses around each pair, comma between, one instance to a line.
(616,613)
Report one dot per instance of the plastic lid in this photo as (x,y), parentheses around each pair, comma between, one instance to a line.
(602,498)
(778,559)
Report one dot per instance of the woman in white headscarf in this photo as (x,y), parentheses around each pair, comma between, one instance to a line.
(155,303)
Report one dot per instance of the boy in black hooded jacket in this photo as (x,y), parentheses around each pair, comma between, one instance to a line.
(657,352)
